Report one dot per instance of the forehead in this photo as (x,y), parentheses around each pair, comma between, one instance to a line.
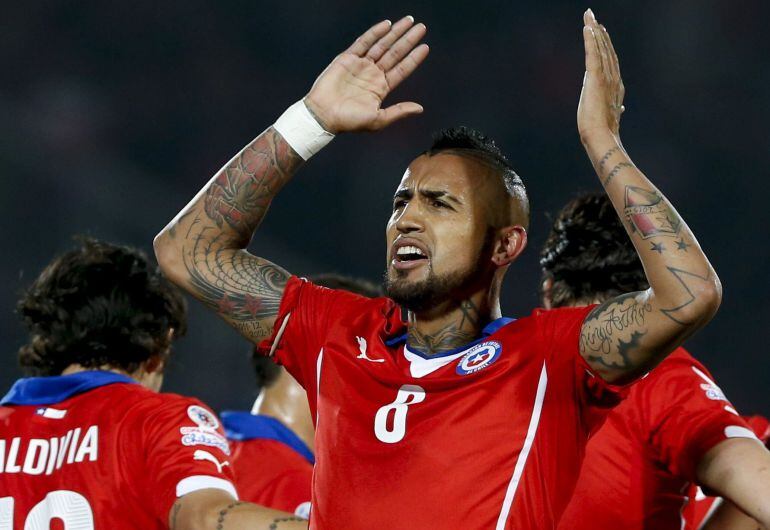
(452,173)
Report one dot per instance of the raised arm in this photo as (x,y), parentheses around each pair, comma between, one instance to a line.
(203,248)
(628,335)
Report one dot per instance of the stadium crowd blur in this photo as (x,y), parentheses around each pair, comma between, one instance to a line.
(112,112)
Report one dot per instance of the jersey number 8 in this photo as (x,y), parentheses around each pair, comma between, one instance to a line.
(407,395)
(69,507)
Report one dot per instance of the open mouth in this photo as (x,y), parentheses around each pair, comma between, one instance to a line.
(409,257)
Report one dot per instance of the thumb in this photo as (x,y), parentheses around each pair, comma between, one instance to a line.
(396,112)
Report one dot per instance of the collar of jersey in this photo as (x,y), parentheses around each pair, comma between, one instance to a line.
(55,389)
(241,426)
(488,330)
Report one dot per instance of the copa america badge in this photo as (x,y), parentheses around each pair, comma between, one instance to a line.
(479,357)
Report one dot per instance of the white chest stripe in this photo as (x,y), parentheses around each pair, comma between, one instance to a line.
(528,441)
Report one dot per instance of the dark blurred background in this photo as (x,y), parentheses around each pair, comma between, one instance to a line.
(115,113)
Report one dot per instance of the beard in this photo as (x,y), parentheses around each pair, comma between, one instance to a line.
(422,295)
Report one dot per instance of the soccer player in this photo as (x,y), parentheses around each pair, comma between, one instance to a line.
(675,428)
(90,442)
(272,446)
(456,417)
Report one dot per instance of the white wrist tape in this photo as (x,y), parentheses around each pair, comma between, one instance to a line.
(302,131)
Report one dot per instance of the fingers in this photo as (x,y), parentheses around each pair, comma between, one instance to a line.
(396,112)
(593,57)
(408,65)
(402,47)
(600,32)
(613,55)
(369,38)
(376,52)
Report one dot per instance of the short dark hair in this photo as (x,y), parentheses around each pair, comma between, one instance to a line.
(265,369)
(478,145)
(588,255)
(99,305)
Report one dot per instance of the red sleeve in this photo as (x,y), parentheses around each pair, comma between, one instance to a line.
(293,490)
(184,449)
(304,317)
(686,414)
(595,396)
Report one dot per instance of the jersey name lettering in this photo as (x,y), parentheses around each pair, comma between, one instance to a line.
(43,456)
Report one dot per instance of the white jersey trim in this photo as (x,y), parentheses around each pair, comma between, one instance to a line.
(279,335)
(202,482)
(518,470)
(319,363)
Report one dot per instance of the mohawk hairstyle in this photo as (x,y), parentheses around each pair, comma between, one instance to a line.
(265,369)
(477,144)
(99,305)
(588,254)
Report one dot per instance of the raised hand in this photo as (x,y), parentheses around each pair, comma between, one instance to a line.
(601,100)
(348,95)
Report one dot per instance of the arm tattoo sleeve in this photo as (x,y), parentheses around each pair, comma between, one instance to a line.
(241,287)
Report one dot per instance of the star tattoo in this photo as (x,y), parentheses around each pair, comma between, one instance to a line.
(252,305)
(681,245)
(225,305)
(658,247)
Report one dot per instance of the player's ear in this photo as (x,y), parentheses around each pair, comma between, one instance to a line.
(509,243)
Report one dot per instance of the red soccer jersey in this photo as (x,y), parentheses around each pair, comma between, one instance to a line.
(96,450)
(273,466)
(639,464)
(487,436)
(700,506)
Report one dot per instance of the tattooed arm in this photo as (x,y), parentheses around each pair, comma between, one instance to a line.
(203,248)
(628,335)
(212,509)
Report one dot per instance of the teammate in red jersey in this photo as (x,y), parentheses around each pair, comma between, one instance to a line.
(713,513)
(273,444)
(675,428)
(90,442)
(456,417)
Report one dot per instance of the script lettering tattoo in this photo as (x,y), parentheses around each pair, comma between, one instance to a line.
(276,522)
(649,214)
(683,277)
(224,512)
(450,336)
(612,330)
(615,170)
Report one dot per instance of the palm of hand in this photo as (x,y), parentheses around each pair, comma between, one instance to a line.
(351,92)
(348,95)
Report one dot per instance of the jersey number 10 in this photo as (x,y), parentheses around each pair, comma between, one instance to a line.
(407,395)
(69,507)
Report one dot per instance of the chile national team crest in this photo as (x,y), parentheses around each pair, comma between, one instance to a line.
(479,357)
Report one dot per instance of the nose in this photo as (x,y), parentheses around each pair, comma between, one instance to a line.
(410,219)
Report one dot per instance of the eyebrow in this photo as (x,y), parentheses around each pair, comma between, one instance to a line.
(406,193)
